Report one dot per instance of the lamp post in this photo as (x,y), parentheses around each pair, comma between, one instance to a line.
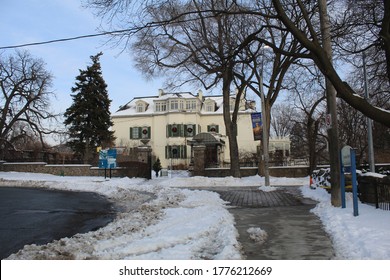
(265,133)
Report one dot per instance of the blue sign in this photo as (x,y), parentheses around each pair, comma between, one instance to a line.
(107,158)
(348,164)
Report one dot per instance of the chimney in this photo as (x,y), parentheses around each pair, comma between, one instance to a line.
(200,95)
(160,92)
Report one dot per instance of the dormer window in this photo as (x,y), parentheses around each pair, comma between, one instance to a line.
(209,105)
(141,106)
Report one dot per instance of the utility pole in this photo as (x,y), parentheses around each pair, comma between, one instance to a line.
(371,160)
(334,154)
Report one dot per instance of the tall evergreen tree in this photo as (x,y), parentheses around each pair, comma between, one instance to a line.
(88,118)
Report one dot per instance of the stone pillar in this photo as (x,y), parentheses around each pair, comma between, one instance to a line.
(144,155)
(199,160)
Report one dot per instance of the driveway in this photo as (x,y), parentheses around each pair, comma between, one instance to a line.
(39,216)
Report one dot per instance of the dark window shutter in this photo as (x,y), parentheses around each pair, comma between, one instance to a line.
(169,130)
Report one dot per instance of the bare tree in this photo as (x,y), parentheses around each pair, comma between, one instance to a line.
(201,47)
(283,115)
(24,84)
(307,33)
(307,88)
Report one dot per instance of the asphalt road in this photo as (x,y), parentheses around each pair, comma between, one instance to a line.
(39,216)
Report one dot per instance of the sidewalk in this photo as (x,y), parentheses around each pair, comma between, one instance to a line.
(294,233)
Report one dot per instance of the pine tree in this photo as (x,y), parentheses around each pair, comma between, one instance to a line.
(157,166)
(88,118)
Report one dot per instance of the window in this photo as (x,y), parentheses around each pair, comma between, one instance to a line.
(181,105)
(143,132)
(174,130)
(213,128)
(134,133)
(140,107)
(210,106)
(173,105)
(161,106)
(181,130)
(189,130)
(176,151)
(191,105)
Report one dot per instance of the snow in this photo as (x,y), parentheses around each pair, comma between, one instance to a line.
(183,224)
(257,234)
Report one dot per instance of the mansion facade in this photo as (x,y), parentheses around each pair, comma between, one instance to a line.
(171,123)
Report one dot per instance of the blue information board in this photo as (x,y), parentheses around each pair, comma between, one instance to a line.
(107,158)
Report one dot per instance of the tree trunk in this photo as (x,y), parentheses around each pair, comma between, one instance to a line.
(231,127)
(334,155)
(312,134)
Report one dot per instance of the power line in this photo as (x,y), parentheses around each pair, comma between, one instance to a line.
(134,30)
(67,39)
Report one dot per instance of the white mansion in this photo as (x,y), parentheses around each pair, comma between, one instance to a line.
(172,122)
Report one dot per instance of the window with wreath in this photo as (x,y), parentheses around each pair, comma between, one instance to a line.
(213,128)
(181,130)
(143,132)
(176,151)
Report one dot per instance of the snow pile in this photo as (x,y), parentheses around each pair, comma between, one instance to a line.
(366,236)
(176,224)
(158,221)
(257,234)
(184,180)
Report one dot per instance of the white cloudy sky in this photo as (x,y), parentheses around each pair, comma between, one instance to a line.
(28,21)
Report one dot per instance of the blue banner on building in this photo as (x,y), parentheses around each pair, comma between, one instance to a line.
(257,126)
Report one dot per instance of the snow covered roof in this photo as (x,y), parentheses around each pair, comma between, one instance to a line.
(134,107)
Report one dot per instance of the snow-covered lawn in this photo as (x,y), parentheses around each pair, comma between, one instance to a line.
(192,224)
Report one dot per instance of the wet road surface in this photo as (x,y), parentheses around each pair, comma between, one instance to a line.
(39,216)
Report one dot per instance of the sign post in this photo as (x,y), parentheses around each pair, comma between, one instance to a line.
(354,183)
(348,165)
(342,182)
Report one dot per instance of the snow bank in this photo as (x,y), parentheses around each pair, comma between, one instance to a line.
(176,224)
(366,236)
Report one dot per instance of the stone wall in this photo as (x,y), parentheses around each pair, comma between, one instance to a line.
(289,171)
(141,168)
(275,171)
(58,169)
(62,169)
(225,172)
